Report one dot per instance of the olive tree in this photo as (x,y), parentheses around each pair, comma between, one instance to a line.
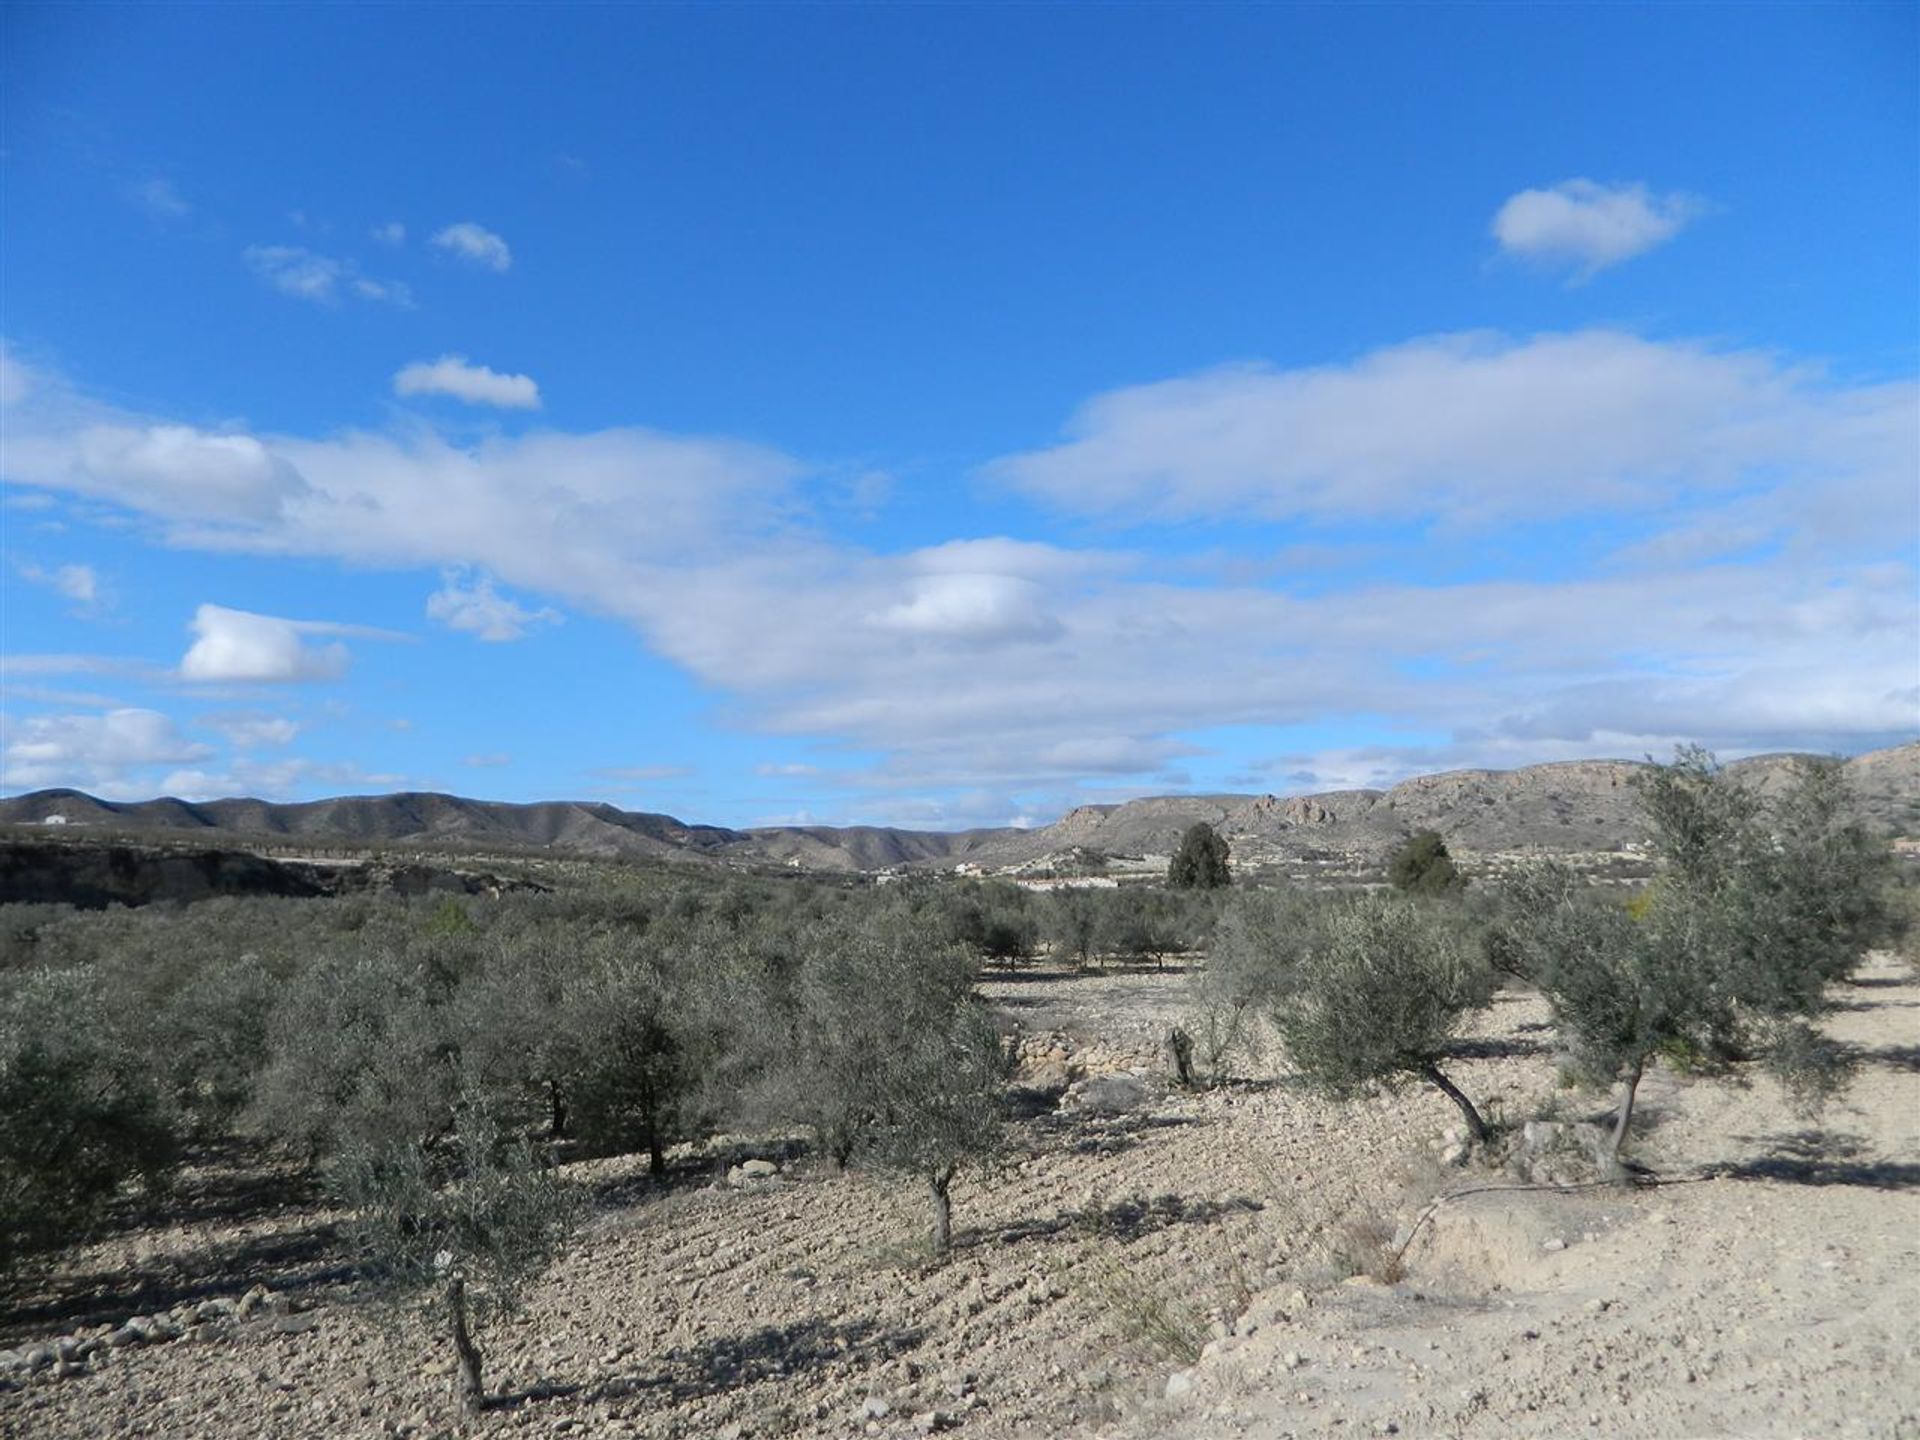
(1256,946)
(892,1060)
(1375,997)
(1760,905)
(465,1221)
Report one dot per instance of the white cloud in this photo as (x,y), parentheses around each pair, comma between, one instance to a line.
(268,780)
(475,244)
(305,275)
(477,609)
(391,233)
(1477,427)
(252,730)
(1004,669)
(475,384)
(239,646)
(196,473)
(91,751)
(972,608)
(158,197)
(493,761)
(1587,227)
(77,583)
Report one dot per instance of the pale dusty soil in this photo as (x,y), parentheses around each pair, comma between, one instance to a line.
(1776,1300)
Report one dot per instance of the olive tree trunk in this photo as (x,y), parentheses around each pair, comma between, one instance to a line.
(939,1190)
(472,1396)
(1623,1116)
(1476,1127)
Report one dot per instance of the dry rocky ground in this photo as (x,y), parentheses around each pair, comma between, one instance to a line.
(1131,1229)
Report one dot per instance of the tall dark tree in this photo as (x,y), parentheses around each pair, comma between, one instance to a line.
(1422,866)
(1201,862)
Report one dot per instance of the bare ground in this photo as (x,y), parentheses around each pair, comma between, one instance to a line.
(1775,1299)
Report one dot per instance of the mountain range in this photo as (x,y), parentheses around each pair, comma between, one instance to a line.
(1580,806)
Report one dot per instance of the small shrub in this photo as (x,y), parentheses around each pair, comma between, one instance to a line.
(1157,1323)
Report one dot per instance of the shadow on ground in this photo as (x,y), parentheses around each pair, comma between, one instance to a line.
(728,1362)
(1821,1157)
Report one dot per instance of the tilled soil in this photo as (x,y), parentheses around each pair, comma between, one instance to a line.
(1776,1299)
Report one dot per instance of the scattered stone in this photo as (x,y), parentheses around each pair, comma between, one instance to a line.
(876,1408)
(1553,1246)
(1179,1385)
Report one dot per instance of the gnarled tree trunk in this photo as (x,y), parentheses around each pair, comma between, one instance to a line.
(472,1396)
(1623,1115)
(1476,1127)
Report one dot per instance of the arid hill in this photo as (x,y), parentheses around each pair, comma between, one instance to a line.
(1573,807)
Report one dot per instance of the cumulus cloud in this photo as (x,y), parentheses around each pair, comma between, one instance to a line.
(1476,428)
(1586,227)
(194,474)
(91,751)
(475,384)
(239,646)
(476,608)
(972,608)
(323,279)
(475,244)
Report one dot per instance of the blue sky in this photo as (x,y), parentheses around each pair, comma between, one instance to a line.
(948,415)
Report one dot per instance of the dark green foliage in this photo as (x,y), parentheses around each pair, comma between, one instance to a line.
(1376,994)
(1201,862)
(79,1115)
(1422,866)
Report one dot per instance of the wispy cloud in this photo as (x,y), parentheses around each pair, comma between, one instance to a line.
(158,198)
(322,279)
(455,376)
(475,244)
(1586,227)
(391,233)
(252,729)
(473,606)
(78,583)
